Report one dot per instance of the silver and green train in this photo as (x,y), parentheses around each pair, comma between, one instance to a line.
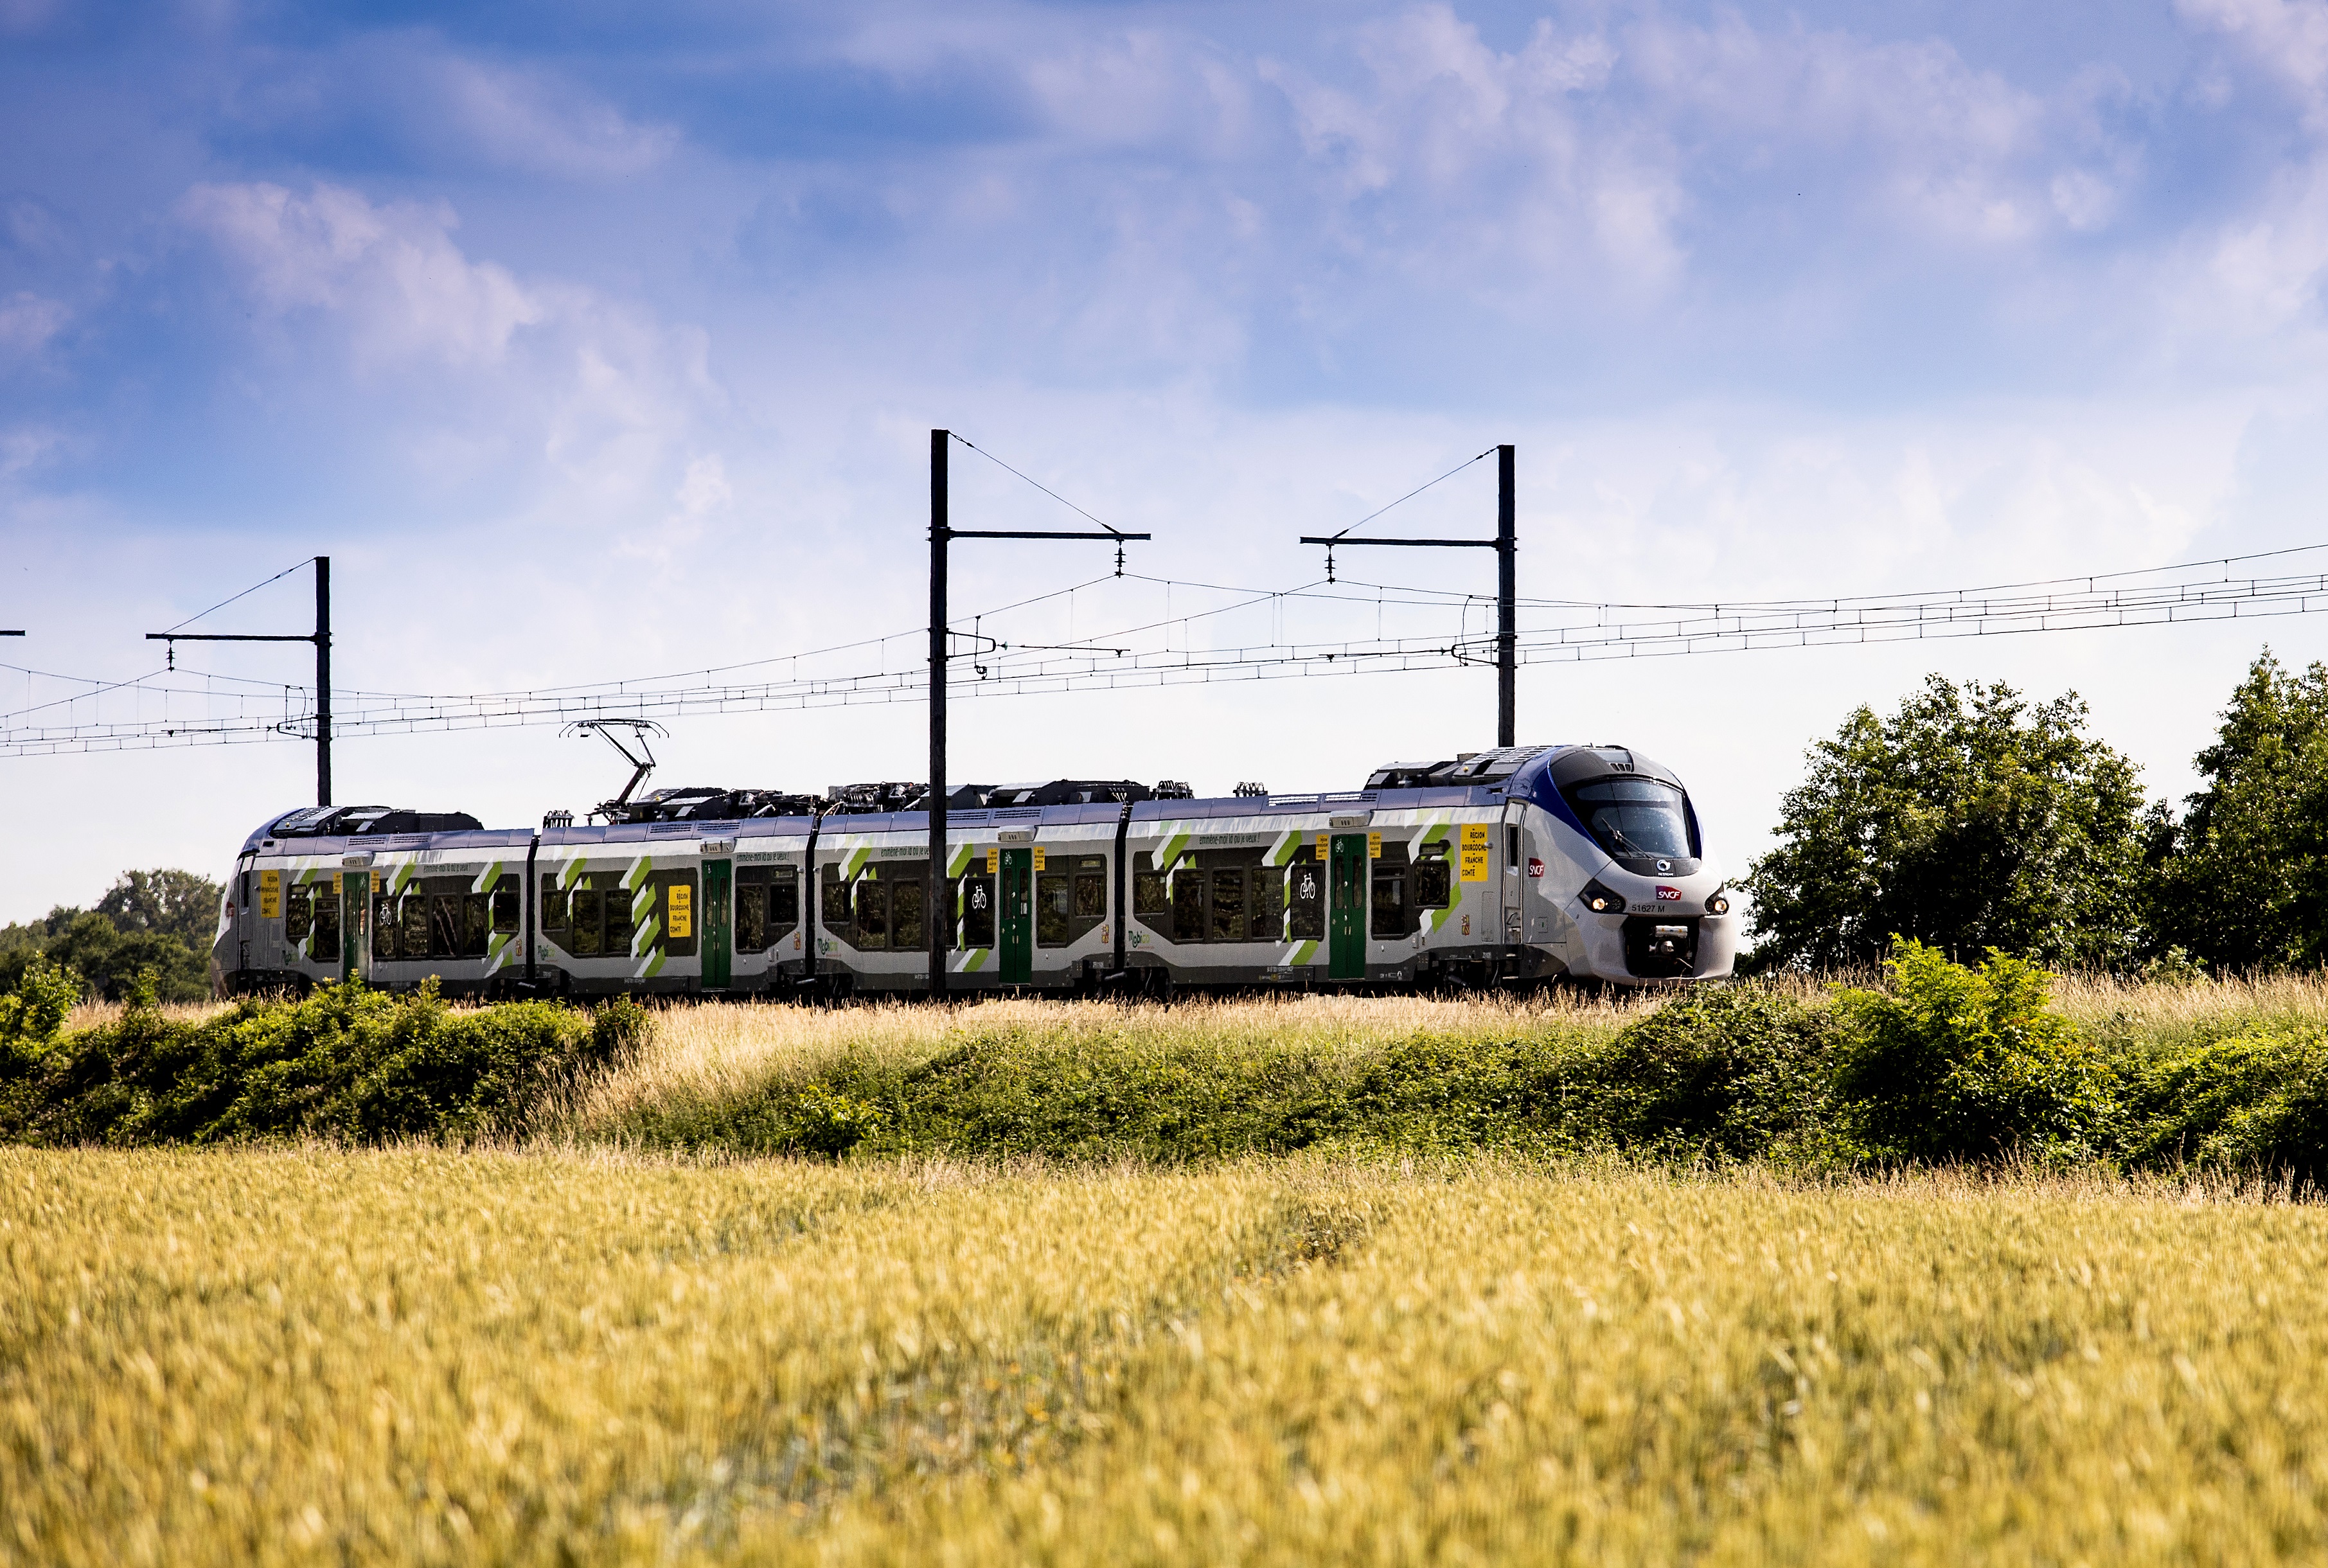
(1516,865)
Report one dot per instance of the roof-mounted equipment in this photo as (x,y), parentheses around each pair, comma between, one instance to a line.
(641,761)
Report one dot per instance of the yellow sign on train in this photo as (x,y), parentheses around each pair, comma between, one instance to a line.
(270,894)
(682,911)
(993,861)
(1476,852)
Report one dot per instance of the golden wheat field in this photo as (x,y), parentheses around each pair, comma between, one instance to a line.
(557,1356)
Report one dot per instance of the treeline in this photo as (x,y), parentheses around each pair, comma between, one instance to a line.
(1971,819)
(162,921)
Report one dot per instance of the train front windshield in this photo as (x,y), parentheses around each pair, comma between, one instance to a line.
(1633,817)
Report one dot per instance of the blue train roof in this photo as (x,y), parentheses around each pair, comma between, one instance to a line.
(1532,774)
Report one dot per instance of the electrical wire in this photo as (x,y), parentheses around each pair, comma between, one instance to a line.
(246,593)
(1410,496)
(1144,654)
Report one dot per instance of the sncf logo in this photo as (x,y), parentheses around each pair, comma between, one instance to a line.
(1668,895)
(1535,867)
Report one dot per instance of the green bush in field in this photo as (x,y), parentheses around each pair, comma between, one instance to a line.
(33,1015)
(347,1064)
(1952,1063)
(825,1122)
(1737,1072)
(2256,1101)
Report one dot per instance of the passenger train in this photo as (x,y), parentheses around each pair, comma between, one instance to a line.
(1517,865)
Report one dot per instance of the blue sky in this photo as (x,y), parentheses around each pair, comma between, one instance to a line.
(591,345)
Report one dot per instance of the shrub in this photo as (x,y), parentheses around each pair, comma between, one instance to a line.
(826,1122)
(2255,1102)
(1735,1072)
(347,1064)
(33,1016)
(1951,1063)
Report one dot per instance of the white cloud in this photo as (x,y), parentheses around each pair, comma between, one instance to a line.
(27,323)
(530,121)
(2289,38)
(600,396)
(392,270)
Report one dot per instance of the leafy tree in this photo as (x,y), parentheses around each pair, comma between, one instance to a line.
(1968,819)
(2242,879)
(159,920)
(181,904)
(110,961)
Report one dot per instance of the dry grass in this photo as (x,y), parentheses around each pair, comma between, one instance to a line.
(89,1015)
(308,1356)
(2168,1014)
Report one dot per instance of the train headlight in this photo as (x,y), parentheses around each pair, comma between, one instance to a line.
(1718,902)
(1601,901)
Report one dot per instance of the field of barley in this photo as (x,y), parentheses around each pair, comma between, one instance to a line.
(413,1355)
(589,1340)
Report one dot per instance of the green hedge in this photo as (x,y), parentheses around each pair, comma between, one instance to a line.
(1733,1073)
(346,1064)
(1944,1063)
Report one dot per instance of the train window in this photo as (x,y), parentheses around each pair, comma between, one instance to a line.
(413,916)
(1151,891)
(1091,893)
(1305,898)
(783,901)
(476,924)
(553,903)
(751,917)
(1267,887)
(978,910)
(1187,905)
(1632,817)
(384,928)
(1390,900)
(1228,903)
(1512,847)
(872,913)
(325,947)
(1433,886)
(1391,913)
(505,901)
(905,900)
(621,913)
(1087,904)
(1051,903)
(297,911)
(443,925)
(835,913)
(589,905)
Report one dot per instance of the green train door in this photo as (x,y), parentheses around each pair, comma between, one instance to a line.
(1346,909)
(718,943)
(1017,936)
(355,910)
